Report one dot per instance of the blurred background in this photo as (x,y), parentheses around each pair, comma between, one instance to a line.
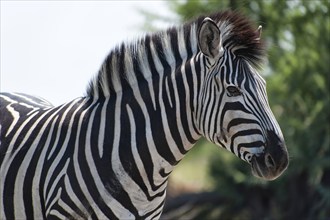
(210,183)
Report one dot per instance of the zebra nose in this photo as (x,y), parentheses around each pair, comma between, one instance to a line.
(269,161)
(276,155)
(268,165)
(273,161)
(277,161)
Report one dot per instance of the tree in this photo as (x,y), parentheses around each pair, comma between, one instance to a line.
(297,34)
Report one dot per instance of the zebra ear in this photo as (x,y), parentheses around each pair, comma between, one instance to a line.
(209,38)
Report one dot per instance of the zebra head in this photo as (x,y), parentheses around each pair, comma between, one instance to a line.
(233,109)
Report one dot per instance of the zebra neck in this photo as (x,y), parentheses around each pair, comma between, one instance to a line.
(151,81)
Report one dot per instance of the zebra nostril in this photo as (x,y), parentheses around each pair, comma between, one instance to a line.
(269,161)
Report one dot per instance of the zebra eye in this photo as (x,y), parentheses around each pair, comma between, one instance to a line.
(233,91)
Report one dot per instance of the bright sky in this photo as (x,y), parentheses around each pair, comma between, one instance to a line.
(53,48)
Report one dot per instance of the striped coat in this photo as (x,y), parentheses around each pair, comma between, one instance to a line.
(108,155)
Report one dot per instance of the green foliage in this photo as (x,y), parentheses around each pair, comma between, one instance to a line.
(297,34)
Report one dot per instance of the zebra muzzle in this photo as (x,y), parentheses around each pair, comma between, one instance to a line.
(268,167)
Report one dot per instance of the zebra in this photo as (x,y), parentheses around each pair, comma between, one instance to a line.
(109,154)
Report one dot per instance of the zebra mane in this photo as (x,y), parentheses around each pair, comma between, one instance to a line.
(242,34)
(127,62)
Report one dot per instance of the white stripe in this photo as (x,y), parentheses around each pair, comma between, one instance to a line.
(104,80)
(102,135)
(115,75)
(168,91)
(143,64)
(13,112)
(40,102)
